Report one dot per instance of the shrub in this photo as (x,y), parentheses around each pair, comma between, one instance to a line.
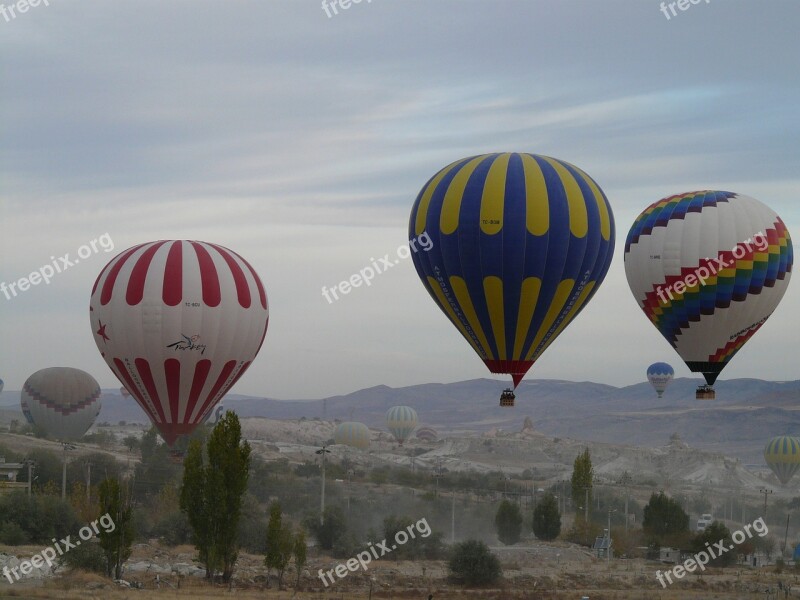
(472,563)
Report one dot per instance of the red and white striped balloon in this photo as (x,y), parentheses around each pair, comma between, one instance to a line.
(178,322)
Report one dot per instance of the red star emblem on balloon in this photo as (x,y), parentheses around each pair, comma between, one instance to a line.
(102,331)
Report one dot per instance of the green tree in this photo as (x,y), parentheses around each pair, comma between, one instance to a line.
(115,540)
(212,492)
(299,551)
(710,535)
(547,518)
(280,542)
(508,522)
(582,477)
(664,518)
(472,563)
(333,528)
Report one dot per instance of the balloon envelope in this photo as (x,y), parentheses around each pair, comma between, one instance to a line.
(401,421)
(62,401)
(178,322)
(511,247)
(659,375)
(782,455)
(708,268)
(355,435)
(428,434)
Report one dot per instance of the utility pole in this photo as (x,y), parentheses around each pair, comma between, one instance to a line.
(323,451)
(30,476)
(64,475)
(88,481)
(453,520)
(766,493)
(608,545)
(625,480)
(786,535)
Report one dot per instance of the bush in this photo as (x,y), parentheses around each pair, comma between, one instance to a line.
(88,556)
(12,534)
(174,529)
(472,563)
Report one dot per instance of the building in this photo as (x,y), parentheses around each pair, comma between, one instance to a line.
(8,476)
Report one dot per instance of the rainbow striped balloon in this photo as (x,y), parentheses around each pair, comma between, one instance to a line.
(520,244)
(708,268)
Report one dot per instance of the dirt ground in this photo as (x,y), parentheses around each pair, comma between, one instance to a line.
(557,571)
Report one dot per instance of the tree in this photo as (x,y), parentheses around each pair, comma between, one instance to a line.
(508,522)
(472,563)
(131,442)
(710,535)
(664,517)
(299,553)
(582,476)
(547,519)
(212,492)
(334,527)
(280,542)
(115,540)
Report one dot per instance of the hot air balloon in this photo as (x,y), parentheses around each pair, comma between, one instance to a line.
(708,268)
(659,375)
(25,410)
(427,434)
(62,401)
(178,322)
(519,243)
(401,421)
(1,386)
(124,391)
(782,455)
(355,435)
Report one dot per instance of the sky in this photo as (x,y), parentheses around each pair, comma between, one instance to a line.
(300,140)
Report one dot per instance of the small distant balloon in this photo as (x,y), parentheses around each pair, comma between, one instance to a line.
(659,375)
(62,401)
(401,421)
(426,434)
(355,435)
(782,455)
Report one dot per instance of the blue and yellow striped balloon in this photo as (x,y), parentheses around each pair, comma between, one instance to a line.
(355,435)
(782,455)
(401,421)
(519,243)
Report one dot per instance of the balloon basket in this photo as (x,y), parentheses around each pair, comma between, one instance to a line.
(507,398)
(705,392)
(176,457)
